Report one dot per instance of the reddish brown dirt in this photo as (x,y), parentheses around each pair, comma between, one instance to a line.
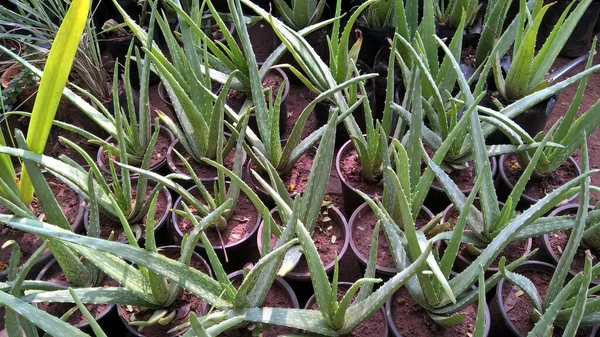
(55,275)
(372,327)
(411,320)
(522,307)
(109,225)
(240,226)
(362,232)
(203,171)
(558,243)
(236,99)
(159,154)
(184,304)
(277,297)
(592,93)
(295,179)
(323,236)
(67,199)
(351,170)
(540,187)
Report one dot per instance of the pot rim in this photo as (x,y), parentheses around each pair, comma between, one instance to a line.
(170,159)
(363,208)
(338,159)
(175,225)
(159,223)
(105,169)
(524,196)
(548,247)
(306,276)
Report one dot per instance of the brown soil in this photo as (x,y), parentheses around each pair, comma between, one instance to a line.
(184,304)
(109,225)
(362,232)
(351,170)
(159,154)
(261,37)
(297,100)
(519,307)
(277,297)
(204,171)
(539,188)
(468,56)
(56,275)
(67,199)
(411,320)
(241,224)
(323,237)
(464,179)
(558,243)
(236,98)
(295,179)
(374,326)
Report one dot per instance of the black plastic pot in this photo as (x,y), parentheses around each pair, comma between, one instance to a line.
(396,333)
(172,157)
(461,262)
(554,257)
(160,223)
(346,285)
(502,322)
(504,186)
(132,330)
(336,216)
(437,199)
(373,40)
(356,218)
(159,167)
(107,319)
(237,252)
(580,40)
(533,121)
(349,195)
(322,110)
(315,40)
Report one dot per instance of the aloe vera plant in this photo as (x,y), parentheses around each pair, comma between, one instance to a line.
(58,66)
(529,69)
(566,303)
(300,14)
(449,13)
(568,133)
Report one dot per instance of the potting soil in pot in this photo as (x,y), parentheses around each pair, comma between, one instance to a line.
(236,98)
(539,188)
(201,169)
(518,306)
(241,224)
(412,320)
(352,171)
(296,178)
(558,243)
(362,232)
(109,225)
(159,153)
(328,237)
